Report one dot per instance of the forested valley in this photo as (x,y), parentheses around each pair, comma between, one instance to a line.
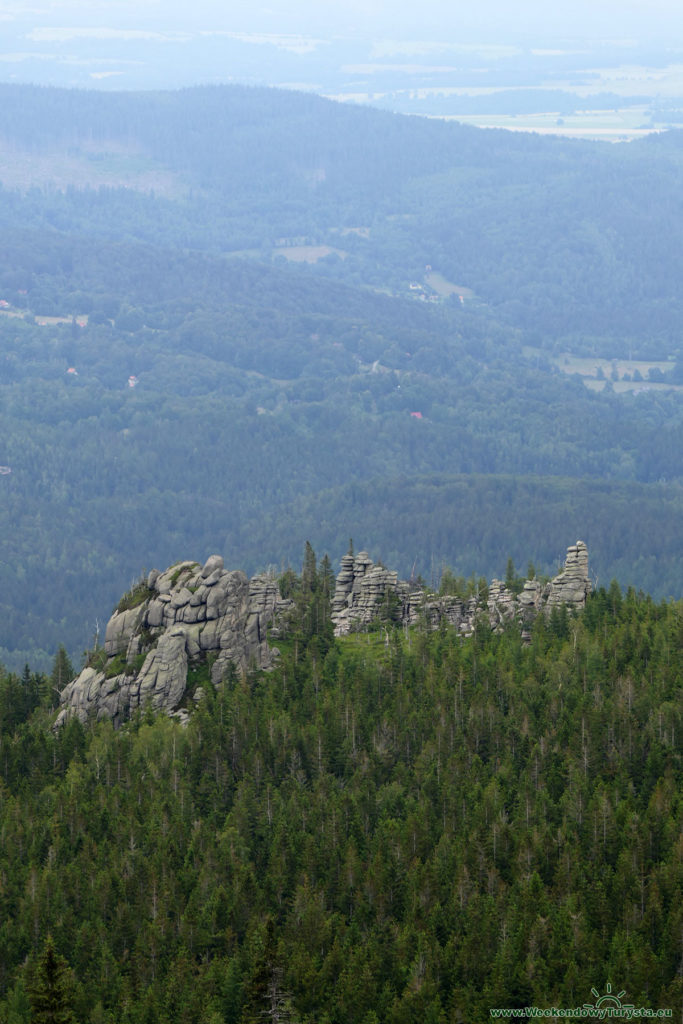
(217,333)
(394,826)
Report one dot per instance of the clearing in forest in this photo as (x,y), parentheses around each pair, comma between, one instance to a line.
(446,288)
(308,253)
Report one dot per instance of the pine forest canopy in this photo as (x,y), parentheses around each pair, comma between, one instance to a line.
(394,825)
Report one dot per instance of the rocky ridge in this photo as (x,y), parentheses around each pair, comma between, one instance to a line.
(366,592)
(190,613)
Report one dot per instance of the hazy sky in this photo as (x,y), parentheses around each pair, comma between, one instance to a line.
(428,19)
(326,45)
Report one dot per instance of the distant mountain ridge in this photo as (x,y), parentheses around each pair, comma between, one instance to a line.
(241,167)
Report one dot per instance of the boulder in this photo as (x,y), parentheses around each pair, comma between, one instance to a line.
(121,627)
(214,563)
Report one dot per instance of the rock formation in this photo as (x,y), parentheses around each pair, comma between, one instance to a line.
(366,592)
(191,613)
(178,617)
(573,584)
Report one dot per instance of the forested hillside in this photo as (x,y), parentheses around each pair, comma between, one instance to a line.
(393,826)
(218,333)
(564,237)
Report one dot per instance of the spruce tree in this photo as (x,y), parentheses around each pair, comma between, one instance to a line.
(264,997)
(309,573)
(51,989)
(62,672)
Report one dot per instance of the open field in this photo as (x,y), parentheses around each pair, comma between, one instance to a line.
(362,232)
(596,371)
(308,253)
(446,288)
(608,125)
(637,387)
(59,168)
(590,366)
(44,321)
(50,321)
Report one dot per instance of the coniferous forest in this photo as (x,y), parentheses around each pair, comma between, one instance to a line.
(394,826)
(232,318)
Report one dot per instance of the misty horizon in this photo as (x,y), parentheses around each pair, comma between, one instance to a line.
(334,49)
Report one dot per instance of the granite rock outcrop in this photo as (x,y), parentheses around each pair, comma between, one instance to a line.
(194,614)
(366,592)
(168,622)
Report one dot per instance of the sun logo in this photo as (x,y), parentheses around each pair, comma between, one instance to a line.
(608,1000)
